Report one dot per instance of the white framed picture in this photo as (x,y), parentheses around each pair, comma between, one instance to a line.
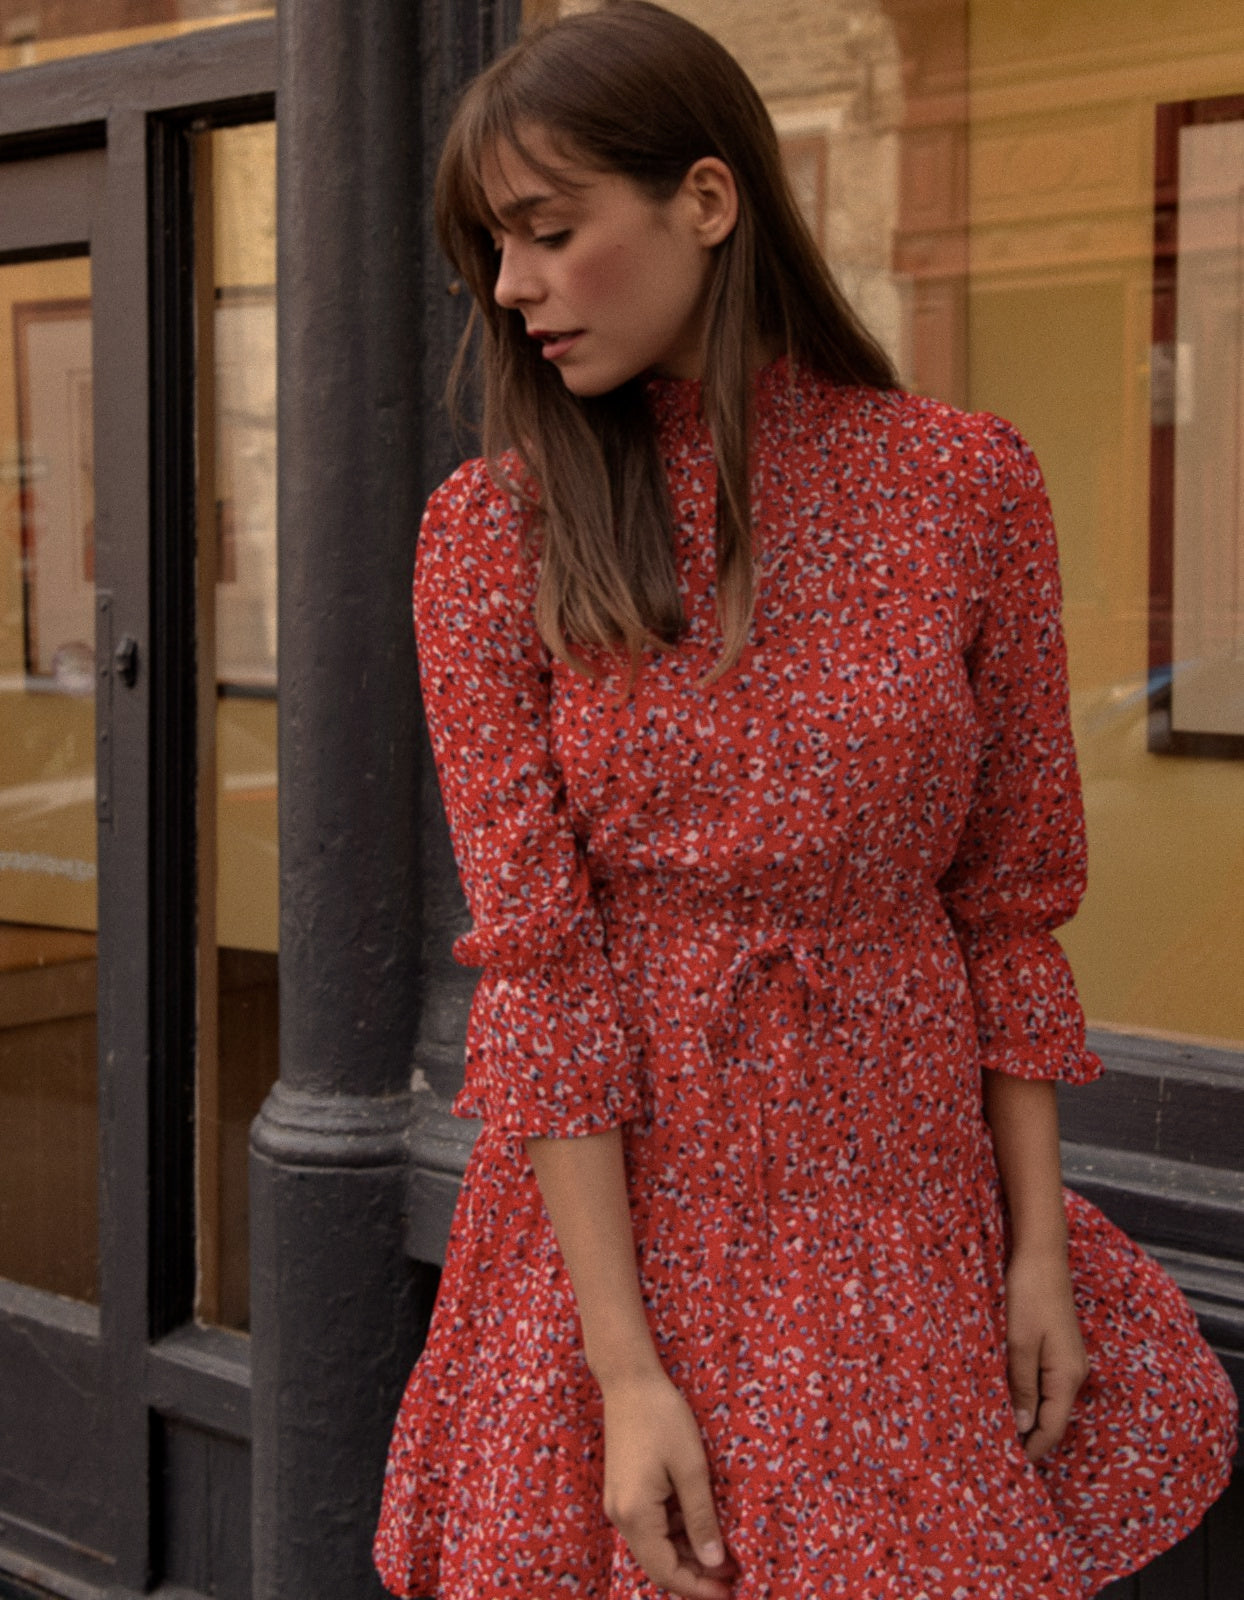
(52,341)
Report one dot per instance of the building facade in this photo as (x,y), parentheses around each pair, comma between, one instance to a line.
(229,1024)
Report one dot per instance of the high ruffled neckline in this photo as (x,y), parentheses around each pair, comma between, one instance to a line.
(678,403)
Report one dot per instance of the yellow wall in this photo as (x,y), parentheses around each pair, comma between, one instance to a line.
(1062,98)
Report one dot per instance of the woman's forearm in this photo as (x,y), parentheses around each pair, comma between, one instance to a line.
(583,1183)
(1023,1117)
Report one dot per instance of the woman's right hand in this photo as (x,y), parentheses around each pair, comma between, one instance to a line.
(657,1489)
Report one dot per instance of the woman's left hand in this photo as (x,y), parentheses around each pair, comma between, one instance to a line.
(1046,1360)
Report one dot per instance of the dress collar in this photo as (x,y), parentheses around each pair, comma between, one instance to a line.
(678,403)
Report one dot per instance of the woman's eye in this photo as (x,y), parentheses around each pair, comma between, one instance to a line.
(552,240)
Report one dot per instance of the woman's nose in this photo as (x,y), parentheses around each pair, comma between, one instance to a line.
(515,286)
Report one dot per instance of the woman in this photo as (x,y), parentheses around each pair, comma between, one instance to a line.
(747,690)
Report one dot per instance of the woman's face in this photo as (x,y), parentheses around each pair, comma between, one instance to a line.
(609,282)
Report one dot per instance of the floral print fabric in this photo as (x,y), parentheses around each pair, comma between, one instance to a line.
(774,926)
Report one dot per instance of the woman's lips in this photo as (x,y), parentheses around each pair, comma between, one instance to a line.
(553,345)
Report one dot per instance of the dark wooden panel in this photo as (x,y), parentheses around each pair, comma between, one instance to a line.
(235,64)
(1184,1102)
(1224,1540)
(10,1589)
(121,277)
(205,1499)
(1179,1574)
(201,1377)
(51,203)
(36,1555)
(1160,1201)
(59,1478)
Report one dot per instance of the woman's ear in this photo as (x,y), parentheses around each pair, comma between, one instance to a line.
(710,189)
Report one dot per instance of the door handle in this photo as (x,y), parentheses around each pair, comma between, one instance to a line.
(125,660)
(119,665)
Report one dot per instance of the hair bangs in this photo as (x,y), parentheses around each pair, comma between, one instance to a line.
(491,116)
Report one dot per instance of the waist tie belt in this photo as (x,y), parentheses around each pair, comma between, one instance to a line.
(807,953)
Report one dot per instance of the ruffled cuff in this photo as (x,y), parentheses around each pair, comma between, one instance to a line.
(546,1050)
(1028,1015)
(524,943)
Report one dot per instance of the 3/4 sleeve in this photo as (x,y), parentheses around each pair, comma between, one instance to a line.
(1019,870)
(546,1050)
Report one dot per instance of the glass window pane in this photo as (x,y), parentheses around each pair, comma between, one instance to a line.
(48,1083)
(47,30)
(238,783)
(1121,361)
(987,179)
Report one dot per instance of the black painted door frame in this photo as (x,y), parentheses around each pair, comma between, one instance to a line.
(98,150)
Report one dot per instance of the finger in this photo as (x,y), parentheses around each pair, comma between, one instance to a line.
(1059,1387)
(699,1515)
(1023,1377)
(668,1567)
(687,1558)
(729,1568)
(674,1574)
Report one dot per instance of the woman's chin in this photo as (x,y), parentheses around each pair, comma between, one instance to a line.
(587,385)
(589,380)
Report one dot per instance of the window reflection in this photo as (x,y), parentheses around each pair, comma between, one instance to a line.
(48,1084)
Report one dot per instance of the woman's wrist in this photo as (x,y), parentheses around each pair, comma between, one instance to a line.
(622,1360)
(1039,1231)
(1044,1252)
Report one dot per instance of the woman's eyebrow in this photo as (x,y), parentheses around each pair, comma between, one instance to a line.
(522,204)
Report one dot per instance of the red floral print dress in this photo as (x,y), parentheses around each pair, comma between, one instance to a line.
(775,927)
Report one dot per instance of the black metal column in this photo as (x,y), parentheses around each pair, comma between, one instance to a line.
(334,1324)
(367,319)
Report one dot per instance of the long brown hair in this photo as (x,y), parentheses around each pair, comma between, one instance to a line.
(634,89)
